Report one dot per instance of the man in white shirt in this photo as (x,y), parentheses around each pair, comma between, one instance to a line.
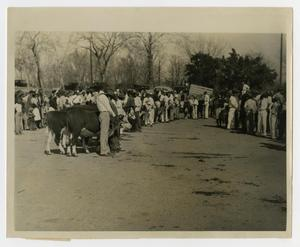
(78,99)
(61,101)
(206,104)
(166,102)
(262,115)
(195,108)
(171,107)
(233,105)
(104,118)
(151,109)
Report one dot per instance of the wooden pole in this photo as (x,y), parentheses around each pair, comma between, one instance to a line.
(91,63)
(280,69)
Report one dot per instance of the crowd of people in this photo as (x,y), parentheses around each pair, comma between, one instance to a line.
(244,110)
(251,112)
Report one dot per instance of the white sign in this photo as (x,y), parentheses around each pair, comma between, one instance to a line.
(199,90)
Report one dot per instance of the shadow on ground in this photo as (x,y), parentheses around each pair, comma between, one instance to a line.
(273,146)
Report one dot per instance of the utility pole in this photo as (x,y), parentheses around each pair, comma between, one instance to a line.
(159,68)
(280,68)
(91,61)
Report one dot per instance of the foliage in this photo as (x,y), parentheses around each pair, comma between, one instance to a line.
(230,72)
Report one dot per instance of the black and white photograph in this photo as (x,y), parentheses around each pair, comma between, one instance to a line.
(150,131)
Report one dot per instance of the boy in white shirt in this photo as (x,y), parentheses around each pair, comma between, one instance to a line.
(36,116)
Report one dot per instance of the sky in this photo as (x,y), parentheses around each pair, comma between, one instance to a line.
(267,45)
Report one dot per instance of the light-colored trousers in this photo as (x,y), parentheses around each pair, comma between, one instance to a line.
(25,119)
(165,117)
(172,112)
(195,111)
(104,125)
(230,117)
(273,126)
(18,123)
(206,111)
(262,122)
(151,116)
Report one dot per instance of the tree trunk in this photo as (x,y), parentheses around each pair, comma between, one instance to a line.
(39,74)
(150,68)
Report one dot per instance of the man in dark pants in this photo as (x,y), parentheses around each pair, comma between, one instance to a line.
(243,116)
(114,140)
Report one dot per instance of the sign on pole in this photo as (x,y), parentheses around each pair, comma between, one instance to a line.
(199,90)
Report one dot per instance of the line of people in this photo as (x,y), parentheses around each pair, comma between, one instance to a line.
(262,114)
(249,111)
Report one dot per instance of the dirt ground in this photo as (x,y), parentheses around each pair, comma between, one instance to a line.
(184,175)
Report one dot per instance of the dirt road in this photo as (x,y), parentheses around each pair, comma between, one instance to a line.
(184,175)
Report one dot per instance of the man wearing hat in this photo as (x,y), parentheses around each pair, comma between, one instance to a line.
(104,117)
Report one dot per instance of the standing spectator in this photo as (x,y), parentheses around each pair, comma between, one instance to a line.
(25,109)
(274,117)
(77,100)
(171,106)
(243,117)
(195,108)
(262,115)
(61,101)
(83,97)
(162,107)
(201,106)
(269,115)
(137,111)
(158,111)
(146,110)
(219,105)
(129,102)
(166,101)
(151,111)
(53,101)
(176,106)
(206,104)
(250,108)
(36,116)
(114,139)
(191,103)
(89,97)
(233,105)
(94,97)
(281,115)
(68,102)
(119,105)
(18,117)
(34,99)
(237,112)
(104,118)
(245,89)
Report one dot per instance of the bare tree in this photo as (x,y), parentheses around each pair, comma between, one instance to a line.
(176,70)
(151,44)
(35,44)
(103,46)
